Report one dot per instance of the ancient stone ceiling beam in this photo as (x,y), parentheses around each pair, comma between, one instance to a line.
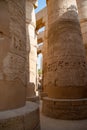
(41,17)
(40,37)
(39,50)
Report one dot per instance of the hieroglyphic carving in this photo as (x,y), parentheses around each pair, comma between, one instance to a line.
(14,62)
(14,67)
(17,28)
(17,46)
(65,64)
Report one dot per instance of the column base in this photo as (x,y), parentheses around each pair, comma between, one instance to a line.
(66,109)
(42,95)
(25,118)
(33,99)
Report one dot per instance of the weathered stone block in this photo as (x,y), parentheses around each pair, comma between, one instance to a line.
(25,118)
(70,109)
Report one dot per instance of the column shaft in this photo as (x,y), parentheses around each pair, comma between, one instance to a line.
(12,54)
(66,67)
(15,114)
(66,63)
(31,49)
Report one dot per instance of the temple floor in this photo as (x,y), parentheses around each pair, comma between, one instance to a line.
(54,124)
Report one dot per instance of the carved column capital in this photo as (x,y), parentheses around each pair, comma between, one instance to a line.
(34,2)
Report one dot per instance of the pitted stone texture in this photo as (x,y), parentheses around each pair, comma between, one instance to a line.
(12,53)
(25,118)
(65,108)
(66,67)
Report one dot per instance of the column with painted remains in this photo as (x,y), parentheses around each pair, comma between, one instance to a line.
(67,68)
(15,113)
(82,9)
(31,49)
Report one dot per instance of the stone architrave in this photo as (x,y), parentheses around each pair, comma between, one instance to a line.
(15,113)
(82,9)
(67,68)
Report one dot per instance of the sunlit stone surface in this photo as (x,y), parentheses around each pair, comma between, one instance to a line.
(12,54)
(67,68)
(15,113)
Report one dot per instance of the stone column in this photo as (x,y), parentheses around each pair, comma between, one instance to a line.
(82,9)
(15,113)
(45,59)
(12,54)
(45,52)
(31,50)
(67,68)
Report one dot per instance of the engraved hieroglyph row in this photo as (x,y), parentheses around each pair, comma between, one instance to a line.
(15,112)
(12,54)
(65,48)
(18,47)
(66,65)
